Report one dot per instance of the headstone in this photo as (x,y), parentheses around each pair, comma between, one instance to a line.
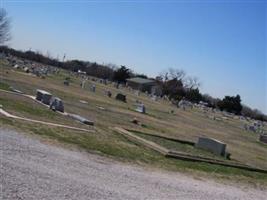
(252,128)
(236,117)
(212,117)
(241,118)
(154,98)
(56,104)
(116,85)
(141,108)
(245,127)
(263,138)
(109,94)
(137,92)
(67,83)
(121,97)
(26,69)
(101,108)
(93,87)
(83,84)
(43,96)
(184,104)
(218,119)
(215,146)
(84,102)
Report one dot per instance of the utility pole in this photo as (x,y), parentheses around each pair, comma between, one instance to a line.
(64,57)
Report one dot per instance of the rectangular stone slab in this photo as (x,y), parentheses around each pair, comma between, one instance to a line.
(213,145)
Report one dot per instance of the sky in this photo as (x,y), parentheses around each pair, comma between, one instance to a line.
(223,43)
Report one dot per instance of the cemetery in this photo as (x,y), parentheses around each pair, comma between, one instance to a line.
(123,107)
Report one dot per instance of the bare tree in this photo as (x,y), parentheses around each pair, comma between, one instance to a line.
(192,82)
(177,74)
(4,27)
(163,76)
(172,74)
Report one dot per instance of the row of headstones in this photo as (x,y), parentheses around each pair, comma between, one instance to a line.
(181,104)
(140,107)
(30,66)
(254,128)
(226,116)
(54,103)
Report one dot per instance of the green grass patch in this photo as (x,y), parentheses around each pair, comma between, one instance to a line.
(116,146)
(4,86)
(22,107)
(6,121)
(212,169)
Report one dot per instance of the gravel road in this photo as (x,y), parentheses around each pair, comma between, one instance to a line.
(33,170)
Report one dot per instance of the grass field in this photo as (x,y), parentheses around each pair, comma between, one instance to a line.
(188,125)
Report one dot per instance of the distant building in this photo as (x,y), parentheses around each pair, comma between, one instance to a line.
(141,84)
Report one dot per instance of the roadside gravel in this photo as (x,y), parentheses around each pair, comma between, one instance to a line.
(32,170)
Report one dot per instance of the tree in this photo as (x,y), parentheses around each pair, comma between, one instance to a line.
(177,85)
(192,83)
(171,74)
(212,102)
(141,76)
(231,104)
(174,89)
(121,74)
(253,113)
(193,95)
(176,74)
(4,27)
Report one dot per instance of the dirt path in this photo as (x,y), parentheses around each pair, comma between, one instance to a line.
(32,170)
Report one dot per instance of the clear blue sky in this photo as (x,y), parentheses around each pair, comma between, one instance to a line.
(222,43)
